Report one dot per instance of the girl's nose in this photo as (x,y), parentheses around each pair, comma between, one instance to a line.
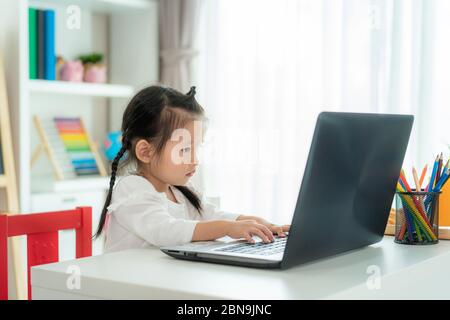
(194,156)
(195,159)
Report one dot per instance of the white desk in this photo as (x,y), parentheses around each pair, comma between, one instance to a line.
(149,274)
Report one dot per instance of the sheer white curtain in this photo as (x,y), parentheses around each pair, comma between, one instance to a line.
(178,26)
(268,67)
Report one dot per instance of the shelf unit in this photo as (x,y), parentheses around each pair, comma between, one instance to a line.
(106,6)
(71,185)
(82,88)
(127,32)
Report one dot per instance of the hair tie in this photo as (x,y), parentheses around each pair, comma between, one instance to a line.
(191,92)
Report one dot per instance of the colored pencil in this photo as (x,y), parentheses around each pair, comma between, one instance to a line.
(416,213)
(416,179)
(402,185)
(401,188)
(409,221)
(405,182)
(419,234)
(419,210)
(422,175)
(418,188)
(438,173)
(442,181)
(446,180)
(411,212)
(416,203)
(433,175)
(447,166)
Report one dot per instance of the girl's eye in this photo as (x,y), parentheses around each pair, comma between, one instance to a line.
(187,149)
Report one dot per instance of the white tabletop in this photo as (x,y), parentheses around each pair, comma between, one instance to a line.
(406,272)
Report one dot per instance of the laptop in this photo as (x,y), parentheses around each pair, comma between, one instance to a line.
(344,199)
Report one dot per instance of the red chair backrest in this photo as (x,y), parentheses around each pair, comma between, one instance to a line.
(41,230)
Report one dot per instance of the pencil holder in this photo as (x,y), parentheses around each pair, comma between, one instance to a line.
(417,218)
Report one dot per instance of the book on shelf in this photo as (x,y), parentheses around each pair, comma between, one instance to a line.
(32,31)
(49,45)
(41,40)
(40,44)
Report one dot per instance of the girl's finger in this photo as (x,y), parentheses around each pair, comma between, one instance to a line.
(286,227)
(266,231)
(275,229)
(278,231)
(260,234)
(249,238)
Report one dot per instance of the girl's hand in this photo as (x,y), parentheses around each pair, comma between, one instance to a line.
(247,229)
(275,229)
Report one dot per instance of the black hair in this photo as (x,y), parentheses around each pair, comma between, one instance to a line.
(152,114)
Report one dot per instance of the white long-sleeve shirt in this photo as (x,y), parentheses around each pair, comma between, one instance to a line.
(139,216)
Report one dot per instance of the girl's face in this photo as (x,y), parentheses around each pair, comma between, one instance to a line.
(179,158)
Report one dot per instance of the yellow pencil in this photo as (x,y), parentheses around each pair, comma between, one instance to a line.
(399,187)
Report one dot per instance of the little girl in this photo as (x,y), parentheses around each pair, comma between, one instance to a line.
(155,205)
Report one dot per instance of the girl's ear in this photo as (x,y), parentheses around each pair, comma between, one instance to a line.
(144,151)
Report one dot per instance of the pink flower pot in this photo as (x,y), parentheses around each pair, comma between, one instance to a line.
(95,73)
(72,71)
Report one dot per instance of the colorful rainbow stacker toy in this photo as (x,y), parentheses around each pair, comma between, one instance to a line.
(417,209)
(77,146)
(69,147)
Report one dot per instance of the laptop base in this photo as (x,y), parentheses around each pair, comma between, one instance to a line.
(222,259)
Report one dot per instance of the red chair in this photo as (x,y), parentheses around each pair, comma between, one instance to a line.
(41,230)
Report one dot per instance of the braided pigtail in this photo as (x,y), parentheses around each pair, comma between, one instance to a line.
(114,167)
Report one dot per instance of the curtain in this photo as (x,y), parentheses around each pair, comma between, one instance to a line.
(178,25)
(268,67)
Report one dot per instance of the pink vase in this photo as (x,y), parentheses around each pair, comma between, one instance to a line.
(95,73)
(72,71)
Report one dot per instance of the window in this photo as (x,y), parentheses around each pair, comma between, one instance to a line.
(267,68)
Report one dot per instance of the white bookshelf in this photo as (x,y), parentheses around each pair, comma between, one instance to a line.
(69,185)
(82,88)
(127,32)
(105,6)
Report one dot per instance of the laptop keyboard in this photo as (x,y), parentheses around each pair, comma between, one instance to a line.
(259,248)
